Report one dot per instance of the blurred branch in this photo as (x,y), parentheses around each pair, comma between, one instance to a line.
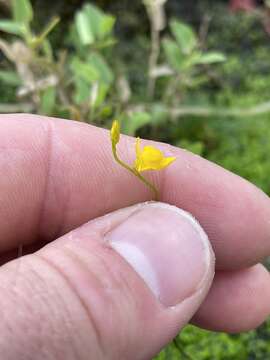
(38,85)
(7,50)
(203,31)
(262,108)
(155,50)
(157,17)
(16,108)
(175,112)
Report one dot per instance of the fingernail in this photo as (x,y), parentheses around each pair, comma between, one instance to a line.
(168,249)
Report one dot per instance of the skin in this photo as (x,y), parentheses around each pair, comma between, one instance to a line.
(57,175)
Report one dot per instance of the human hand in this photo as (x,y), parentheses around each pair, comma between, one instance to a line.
(78,297)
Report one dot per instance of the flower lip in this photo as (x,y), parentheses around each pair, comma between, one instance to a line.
(150,158)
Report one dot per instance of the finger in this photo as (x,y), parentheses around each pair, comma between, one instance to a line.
(58,174)
(238,301)
(105,290)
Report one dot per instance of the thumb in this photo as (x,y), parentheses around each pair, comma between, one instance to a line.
(119,287)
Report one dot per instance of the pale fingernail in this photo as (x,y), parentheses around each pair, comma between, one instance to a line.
(167,247)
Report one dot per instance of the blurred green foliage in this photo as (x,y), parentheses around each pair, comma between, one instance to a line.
(204,345)
(80,81)
(202,86)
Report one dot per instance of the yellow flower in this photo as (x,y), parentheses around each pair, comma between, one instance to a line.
(115,133)
(150,158)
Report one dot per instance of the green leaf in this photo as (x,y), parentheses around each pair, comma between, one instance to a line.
(106,25)
(82,91)
(83,27)
(173,54)
(100,94)
(95,17)
(10,78)
(102,68)
(75,41)
(135,121)
(22,11)
(12,27)
(210,58)
(106,43)
(93,24)
(101,23)
(84,70)
(48,99)
(184,35)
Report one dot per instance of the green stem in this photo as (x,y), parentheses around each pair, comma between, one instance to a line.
(37,41)
(49,28)
(148,183)
(136,173)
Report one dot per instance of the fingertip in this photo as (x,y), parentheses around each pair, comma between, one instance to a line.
(237,301)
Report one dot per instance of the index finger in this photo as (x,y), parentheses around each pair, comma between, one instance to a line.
(58,174)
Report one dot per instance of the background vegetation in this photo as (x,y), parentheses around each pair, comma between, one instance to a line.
(194,74)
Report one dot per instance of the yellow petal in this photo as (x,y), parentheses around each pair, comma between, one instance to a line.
(115,132)
(168,161)
(150,158)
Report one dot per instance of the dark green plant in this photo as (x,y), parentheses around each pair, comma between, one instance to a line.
(54,82)
(79,82)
